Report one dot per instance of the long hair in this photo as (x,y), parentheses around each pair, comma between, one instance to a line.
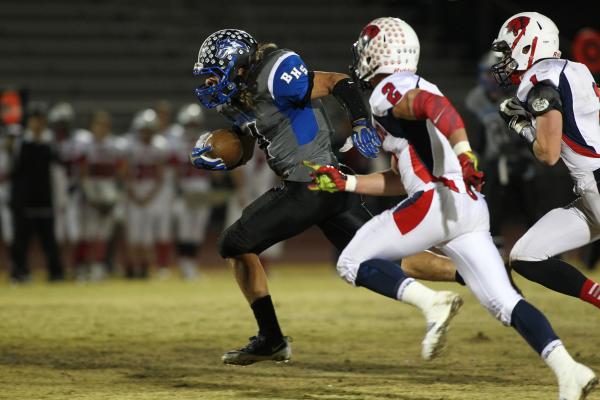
(263,49)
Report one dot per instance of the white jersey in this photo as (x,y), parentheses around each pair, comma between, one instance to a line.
(580,97)
(103,158)
(145,161)
(190,179)
(429,158)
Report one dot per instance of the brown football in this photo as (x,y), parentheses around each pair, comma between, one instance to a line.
(226,145)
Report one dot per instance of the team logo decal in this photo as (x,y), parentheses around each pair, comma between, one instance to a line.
(517,25)
(540,104)
(227,48)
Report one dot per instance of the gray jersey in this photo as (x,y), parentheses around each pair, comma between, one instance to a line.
(288,126)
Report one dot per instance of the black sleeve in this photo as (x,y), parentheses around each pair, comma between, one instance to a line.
(349,95)
(543,98)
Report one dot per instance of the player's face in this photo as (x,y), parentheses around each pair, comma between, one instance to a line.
(211,81)
(100,127)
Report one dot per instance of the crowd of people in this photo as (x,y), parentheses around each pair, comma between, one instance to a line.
(105,204)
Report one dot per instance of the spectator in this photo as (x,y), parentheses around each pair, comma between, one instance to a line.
(33,162)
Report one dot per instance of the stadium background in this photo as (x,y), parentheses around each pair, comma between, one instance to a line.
(125,56)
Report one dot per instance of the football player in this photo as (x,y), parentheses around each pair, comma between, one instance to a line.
(102,172)
(193,184)
(271,97)
(555,112)
(147,222)
(69,146)
(426,136)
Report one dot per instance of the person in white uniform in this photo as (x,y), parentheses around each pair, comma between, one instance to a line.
(426,136)
(556,112)
(148,214)
(193,186)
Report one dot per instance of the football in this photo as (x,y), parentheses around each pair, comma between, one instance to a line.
(225,145)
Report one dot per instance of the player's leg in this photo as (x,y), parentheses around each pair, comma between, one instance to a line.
(277,215)
(340,229)
(367,261)
(479,262)
(560,230)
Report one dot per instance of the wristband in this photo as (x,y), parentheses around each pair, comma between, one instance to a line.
(351,183)
(461,147)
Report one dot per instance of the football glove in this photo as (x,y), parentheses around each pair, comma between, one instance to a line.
(328,178)
(365,138)
(201,160)
(473,177)
(517,119)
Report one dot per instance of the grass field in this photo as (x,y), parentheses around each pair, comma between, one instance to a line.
(164,339)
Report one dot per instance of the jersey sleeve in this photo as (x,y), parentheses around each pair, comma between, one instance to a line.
(290,82)
(543,97)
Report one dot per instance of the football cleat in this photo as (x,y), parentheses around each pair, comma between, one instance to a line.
(260,349)
(577,383)
(439,315)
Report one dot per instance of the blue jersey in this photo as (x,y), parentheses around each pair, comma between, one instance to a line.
(288,125)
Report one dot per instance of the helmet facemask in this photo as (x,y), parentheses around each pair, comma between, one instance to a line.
(504,69)
(357,50)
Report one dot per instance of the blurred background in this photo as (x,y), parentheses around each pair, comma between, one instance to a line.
(88,77)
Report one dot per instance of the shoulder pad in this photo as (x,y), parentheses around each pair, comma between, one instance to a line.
(542,98)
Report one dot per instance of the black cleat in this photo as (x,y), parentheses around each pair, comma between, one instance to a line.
(260,348)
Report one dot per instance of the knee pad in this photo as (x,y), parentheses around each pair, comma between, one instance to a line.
(233,242)
(525,251)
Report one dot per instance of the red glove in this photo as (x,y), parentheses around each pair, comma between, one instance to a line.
(474,179)
(328,178)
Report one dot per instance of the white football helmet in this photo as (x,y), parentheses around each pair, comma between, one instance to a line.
(386,45)
(61,112)
(524,39)
(190,114)
(145,119)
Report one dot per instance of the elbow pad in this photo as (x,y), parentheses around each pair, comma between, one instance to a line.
(439,110)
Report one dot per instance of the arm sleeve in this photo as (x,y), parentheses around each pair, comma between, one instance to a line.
(542,98)
(290,83)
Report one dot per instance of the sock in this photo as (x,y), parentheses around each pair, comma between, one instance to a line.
(533,326)
(557,358)
(590,292)
(381,276)
(163,253)
(552,273)
(416,294)
(264,312)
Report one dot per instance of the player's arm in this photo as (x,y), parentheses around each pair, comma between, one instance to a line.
(294,86)
(545,105)
(328,178)
(418,104)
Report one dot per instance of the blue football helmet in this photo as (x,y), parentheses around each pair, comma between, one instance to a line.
(220,56)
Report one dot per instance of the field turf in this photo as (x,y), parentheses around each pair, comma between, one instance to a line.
(164,339)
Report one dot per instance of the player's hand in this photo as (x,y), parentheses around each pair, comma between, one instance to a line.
(365,138)
(473,177)
(515,115)
(326,178)
(200,159)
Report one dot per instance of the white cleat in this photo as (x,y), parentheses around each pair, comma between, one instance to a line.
(577,383)
(445,306)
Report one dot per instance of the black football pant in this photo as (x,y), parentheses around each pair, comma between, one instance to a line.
(25,227)
(288,210)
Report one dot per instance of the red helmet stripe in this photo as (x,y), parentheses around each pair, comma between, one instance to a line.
(533,44)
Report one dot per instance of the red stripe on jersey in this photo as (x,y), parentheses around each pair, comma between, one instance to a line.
(578,148)
(418,167)
(409,217)
(534,79)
